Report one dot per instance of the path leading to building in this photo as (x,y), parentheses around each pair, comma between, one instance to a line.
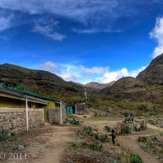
(55,145)
(49,145)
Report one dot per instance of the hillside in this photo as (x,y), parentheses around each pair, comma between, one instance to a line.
(143,94)
(153,74)
(41,82)
(98,86)
(127,86)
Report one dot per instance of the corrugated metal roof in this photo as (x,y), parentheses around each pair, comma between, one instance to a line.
(25,93)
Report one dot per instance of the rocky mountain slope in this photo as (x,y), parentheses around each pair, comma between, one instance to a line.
(147,87)
(141,94)
(153,74)
(99,86)
(41,82)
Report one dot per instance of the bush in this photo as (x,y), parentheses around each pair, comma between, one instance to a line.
(134,158)
(143,125)
(142,139)
(125,129)
(103,138)
(96,147)
(88,130)
(85,145)
(3,134)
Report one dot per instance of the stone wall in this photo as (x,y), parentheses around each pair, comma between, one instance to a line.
(15,121)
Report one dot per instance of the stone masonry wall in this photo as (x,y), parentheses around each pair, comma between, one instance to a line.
(15,121)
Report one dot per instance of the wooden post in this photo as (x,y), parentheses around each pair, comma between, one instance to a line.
(27,115)
(61,122)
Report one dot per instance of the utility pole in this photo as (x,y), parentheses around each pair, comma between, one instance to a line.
(86,100)
(61,121)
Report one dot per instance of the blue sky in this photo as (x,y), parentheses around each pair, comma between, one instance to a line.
(82,40)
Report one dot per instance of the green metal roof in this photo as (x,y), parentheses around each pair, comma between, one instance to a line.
(22,91)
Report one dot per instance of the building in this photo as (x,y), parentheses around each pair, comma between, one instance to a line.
(78,107)
(21,109)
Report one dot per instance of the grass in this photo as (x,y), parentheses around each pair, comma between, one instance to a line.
(86,145)
(153,145)
(134,158)
(4,135)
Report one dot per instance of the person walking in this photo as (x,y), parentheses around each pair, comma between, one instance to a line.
(113,135)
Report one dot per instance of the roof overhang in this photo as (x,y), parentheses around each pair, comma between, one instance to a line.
(14,95)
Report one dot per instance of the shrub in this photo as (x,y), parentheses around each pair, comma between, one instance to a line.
(3,134)
(143,125)
(103,138)
(88,130)
(85,145)
(96,147)
(125,129)
(134,158)
(142,139)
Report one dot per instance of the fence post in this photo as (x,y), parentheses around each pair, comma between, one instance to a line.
(61,122)
(27,115)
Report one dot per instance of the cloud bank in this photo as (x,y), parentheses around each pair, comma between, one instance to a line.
(49,31)
(101,14)
(157,35)
(82,74)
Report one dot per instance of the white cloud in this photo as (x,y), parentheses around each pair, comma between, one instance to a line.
(68,76)
(82,74)
(101,14)
(85,31)
(114,75)
(93,70)
(80,10)
(5,22)
(157,34)
(49,31)
(49,66)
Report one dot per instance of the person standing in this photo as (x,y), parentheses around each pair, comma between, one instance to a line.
(113,135)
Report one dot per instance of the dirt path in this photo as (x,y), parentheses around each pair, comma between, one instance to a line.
(49,145)
(53,148)
(154,127)
(130,143)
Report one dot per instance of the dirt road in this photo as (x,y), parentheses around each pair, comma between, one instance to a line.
(47,146)
(128,142)
(154,127)
(51,151)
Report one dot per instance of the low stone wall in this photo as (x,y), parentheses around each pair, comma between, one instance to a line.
(15,121)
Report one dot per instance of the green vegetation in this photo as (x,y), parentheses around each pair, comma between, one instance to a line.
(153,145)
(85,145)
(3,134)
(126,129)
(157,121)
(98,136)
(134,158)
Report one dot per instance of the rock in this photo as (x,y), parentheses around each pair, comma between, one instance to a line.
(137,127)
(107,128)
(21,147)
(142,139)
